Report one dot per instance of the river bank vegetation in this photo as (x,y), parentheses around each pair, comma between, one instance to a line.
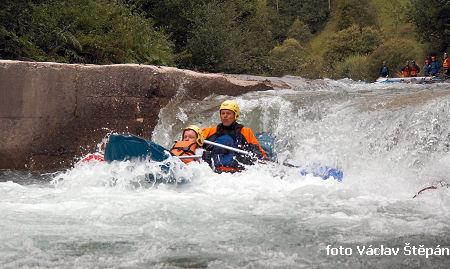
(310,38)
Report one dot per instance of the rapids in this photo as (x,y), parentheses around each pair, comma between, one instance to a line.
(390,140)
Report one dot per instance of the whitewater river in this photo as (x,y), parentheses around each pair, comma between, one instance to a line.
(390,141)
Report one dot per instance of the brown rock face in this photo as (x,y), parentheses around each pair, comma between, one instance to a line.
(51,113)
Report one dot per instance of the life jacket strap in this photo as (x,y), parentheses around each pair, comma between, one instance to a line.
(183,148)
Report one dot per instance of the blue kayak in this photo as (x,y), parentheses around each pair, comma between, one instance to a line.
(417,80)
(132,147)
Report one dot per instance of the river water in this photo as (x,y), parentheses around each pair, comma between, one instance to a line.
(390,141)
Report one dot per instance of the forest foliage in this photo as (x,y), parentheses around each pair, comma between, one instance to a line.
(261,37)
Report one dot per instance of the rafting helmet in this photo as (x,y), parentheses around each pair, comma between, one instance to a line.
(233,106)
(197,130)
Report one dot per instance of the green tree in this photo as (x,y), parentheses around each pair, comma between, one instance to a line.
(258,40)
(98,31)
(313,12)
(432,20)
(174,16)
(397,13)
(288,58)
(300,31)
(352,41)
(352,12)
(231,36)
(15,22)
(215,40)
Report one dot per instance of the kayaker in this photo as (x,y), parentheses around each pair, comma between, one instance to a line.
(446,66)
(405,70)
(384,70)
(414,69)
(435,67)
(233,134)
(427,67)
(190,143)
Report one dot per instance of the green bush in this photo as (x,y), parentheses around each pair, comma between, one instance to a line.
(352,12)
(312,67)
(288,58)
(352,41)
(300,31)
(395,52)
(355,67)
(366,67)
(98,31)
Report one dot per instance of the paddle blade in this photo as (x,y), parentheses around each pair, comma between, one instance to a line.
(267,142)
(324,172)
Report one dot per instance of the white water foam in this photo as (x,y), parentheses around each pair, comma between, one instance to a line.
(390,141)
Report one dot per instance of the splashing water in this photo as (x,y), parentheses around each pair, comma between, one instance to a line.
(390,141)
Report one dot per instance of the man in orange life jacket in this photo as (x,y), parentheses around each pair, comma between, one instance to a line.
(233,134)
(191,143)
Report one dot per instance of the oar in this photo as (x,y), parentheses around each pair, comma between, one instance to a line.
(227,147)
(216,145)
(440,183)
(190,157)
(321,171)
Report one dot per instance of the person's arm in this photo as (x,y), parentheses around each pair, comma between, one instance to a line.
(253,144)
(207,133)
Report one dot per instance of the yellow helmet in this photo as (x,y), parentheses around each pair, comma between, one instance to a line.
(231,105)
(198,131)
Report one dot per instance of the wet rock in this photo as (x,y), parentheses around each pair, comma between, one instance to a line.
(51,113)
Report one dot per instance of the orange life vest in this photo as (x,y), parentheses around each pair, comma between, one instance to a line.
(446,63)
(413,71)
(405,72)
(245,131)
(184,148)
